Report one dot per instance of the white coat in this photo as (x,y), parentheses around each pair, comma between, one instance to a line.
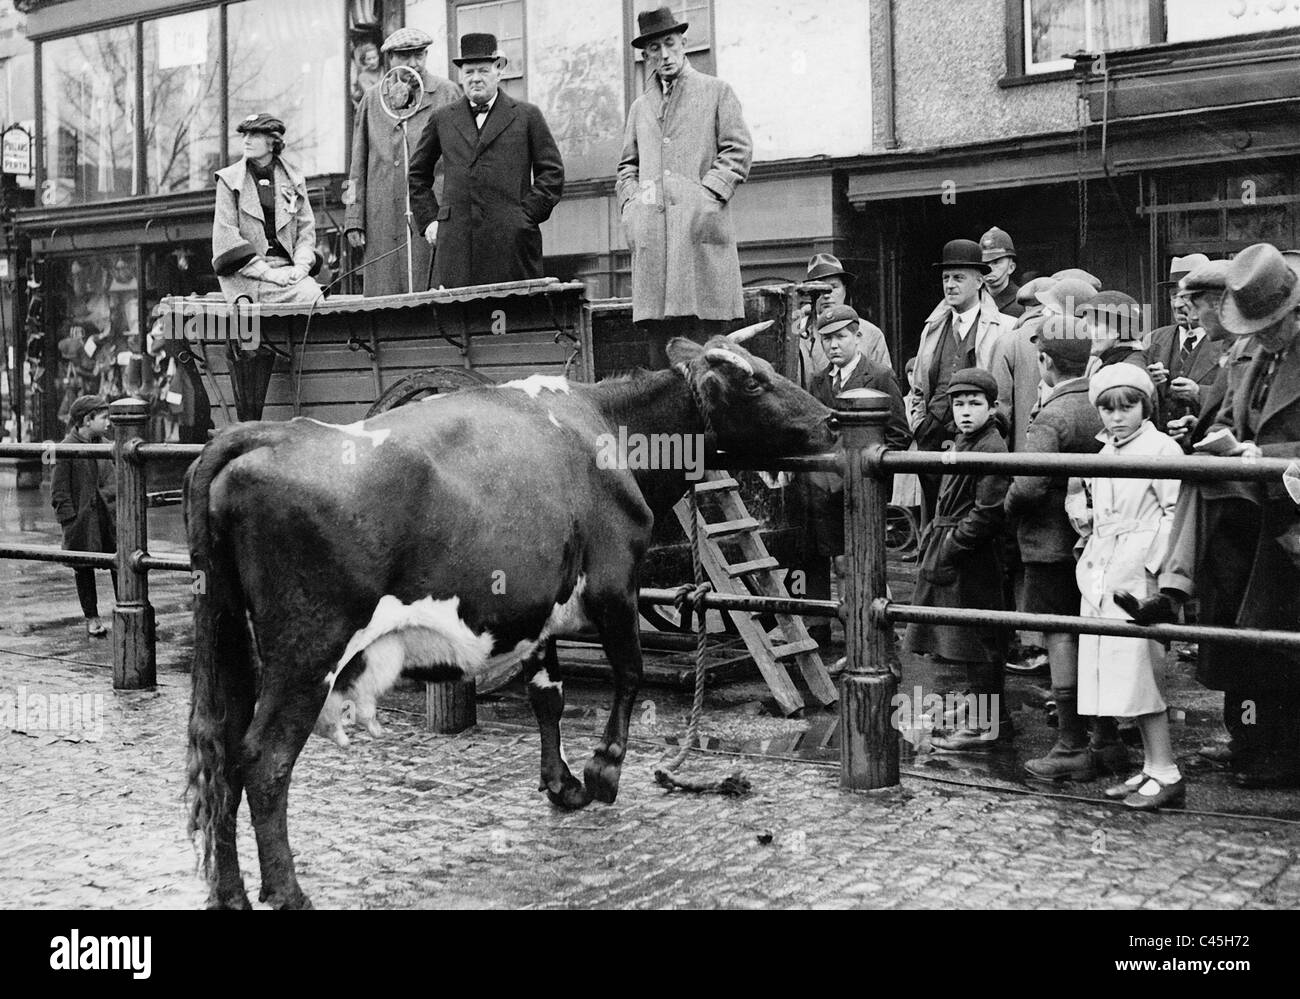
(1127,529)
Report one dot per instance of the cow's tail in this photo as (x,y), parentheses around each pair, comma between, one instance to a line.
(222,680)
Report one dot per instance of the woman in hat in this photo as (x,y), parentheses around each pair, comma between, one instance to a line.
(264,230)
(1127,523)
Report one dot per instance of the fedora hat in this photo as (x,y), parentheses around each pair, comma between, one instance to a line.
(1292,257)
(653,23)
(1067,296)
(1209,276)
(1180,267)
(478,46)
(1261,289)
(963,253)
(1114,314)
(1079,275)
(824,265)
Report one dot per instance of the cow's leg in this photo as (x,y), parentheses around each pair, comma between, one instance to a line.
(546,694)
(616,620)
(286,711)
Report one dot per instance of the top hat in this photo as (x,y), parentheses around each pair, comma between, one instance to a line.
(824,265)
(963,253)
(407,40)
(837,317)
(1261,289)
(261,122)
(1180,267)
(1078,275)
(974,380)
(478,47)
(653,23)
(996,244)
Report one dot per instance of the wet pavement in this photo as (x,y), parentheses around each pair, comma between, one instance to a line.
(94,814)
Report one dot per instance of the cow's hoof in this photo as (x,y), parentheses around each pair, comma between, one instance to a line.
(601,777)
(239,901)
(292,900)
(570,796)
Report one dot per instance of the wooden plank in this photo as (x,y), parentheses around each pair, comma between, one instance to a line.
(754,565)
(712,485)
(728,528)
(794,648)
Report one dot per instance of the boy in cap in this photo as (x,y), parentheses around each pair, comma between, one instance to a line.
(826,268)
(84,496)
(960,565)
(840,334)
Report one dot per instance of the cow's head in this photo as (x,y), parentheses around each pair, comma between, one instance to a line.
(752,408)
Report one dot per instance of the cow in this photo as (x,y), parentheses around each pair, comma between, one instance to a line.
(436,541)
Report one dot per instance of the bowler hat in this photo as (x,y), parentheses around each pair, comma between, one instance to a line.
(836,318)
(1261,289)
(1028,293)
(1079,275)
(974,380)
(1067,296)
(407,40)
(1121,375)
(1180,267)
(824,265)
(1209,276)
(653,23)
(478,47)
(83,406)
(963,253)
(263,121)
(996,244)
(1114,314)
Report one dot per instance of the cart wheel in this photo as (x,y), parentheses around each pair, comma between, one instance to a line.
(422,384)
(901,533)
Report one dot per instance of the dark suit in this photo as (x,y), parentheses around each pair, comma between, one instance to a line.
(1202,367)
(500,185)
(83,492)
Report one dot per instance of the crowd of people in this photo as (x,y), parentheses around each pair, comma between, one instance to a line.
(1063,366)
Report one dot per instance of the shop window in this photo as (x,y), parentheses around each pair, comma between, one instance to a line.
(697,14)
(285,57)
(505,20)
(88,92)
(182,101)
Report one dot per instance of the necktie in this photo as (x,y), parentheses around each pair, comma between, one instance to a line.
(837,382)
(1185,351)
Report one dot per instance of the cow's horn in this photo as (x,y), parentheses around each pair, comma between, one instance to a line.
(743,334)
(727,357)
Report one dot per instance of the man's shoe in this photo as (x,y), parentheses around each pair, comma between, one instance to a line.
(1216,752)
(966,740)
(1267,779)
(1063,764)
(1159,609)
(1169,796)
(95,628)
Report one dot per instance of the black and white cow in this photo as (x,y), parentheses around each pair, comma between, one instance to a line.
(435,541)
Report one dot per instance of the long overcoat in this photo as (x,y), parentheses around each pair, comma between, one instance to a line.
(83,492)
(1130,521)
(961,558)
(1266,592)
(376,199)
(682,162)
(500,185)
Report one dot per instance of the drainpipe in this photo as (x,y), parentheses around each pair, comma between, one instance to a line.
(884,51)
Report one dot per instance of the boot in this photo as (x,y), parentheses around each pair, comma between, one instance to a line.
(986,681)
(1109,753)
(1070,758)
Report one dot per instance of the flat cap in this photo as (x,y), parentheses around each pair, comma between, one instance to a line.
(1067,296)
(84,406)
(1028,293)
(836,318)
(1119,375)
(407,40)
(263,121)
(1079,274)
(974,380)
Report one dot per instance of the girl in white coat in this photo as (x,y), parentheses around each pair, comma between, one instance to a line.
(1126,523)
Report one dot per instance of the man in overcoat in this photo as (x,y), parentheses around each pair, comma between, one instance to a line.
(686,149)
(376,196)
(503,177)
(1182,358)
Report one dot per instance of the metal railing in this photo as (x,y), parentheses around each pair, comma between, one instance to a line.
(869,743)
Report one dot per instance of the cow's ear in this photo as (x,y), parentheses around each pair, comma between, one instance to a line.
(683,351)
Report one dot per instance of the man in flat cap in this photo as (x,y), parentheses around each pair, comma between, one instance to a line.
(1000,254)
(686,149)
(263,228)
(377,188)
(504,177)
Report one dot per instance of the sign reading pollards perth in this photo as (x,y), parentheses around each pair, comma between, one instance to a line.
(16,151)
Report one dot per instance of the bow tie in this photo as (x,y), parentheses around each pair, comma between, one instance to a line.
(477,109)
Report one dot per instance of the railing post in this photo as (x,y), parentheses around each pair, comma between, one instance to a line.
(868,739)
(134,654)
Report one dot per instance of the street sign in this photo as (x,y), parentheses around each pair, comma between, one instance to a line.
(16,151)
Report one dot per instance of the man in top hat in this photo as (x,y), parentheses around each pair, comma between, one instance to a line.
(1181,357)
(963,331)
(1000,254)
(504,177)
(686,149)
(377,188)
(1247,571)
(826,268)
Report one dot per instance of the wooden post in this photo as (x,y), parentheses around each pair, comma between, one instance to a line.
(134,653)
(868,740)
(450,706)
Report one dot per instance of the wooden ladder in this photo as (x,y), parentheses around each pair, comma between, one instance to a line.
(760,570)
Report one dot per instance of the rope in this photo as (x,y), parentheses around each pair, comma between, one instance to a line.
(691,599)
